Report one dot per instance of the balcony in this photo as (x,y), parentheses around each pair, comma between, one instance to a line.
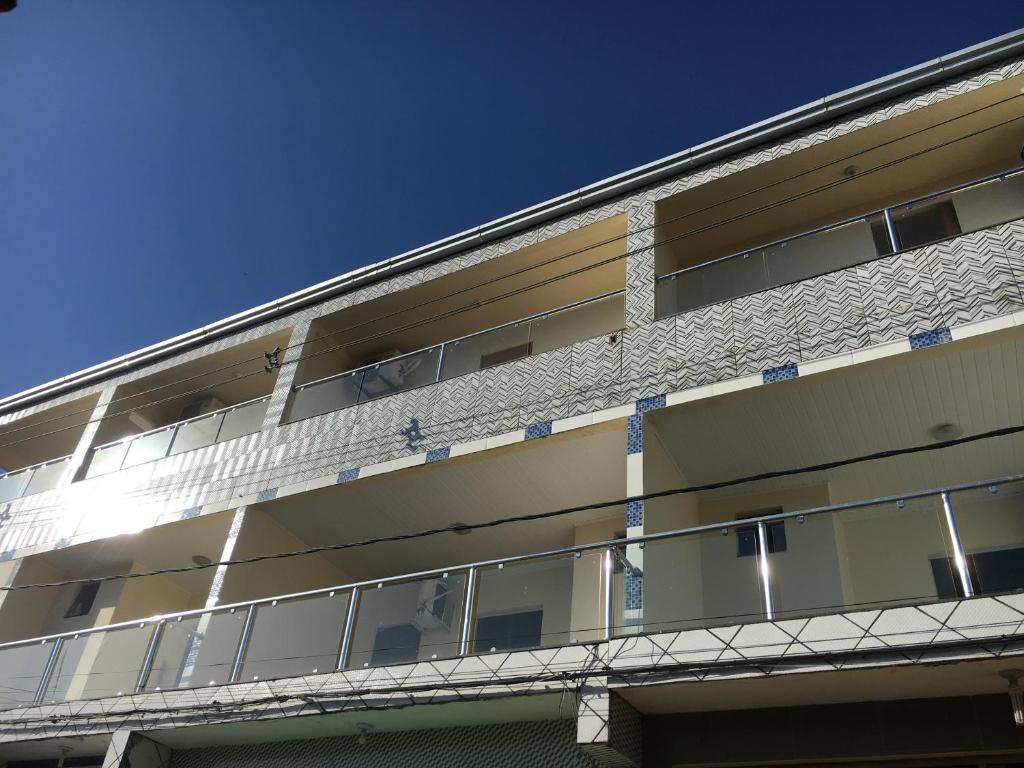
(187,407)
(891,186)
(541,297)
(912,224)
(586,319)
(188,435)
(36,449)
(35,479)
(958,541)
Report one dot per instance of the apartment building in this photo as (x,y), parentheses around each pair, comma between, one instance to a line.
(715,462)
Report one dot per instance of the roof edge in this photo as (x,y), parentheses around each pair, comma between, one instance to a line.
(827,108)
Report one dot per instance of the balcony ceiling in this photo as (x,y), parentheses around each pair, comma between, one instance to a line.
(526,478)
(977,384)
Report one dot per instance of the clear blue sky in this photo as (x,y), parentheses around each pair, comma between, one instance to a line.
(165,164)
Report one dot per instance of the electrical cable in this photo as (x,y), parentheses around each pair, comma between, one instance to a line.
(890,453)
(577,252)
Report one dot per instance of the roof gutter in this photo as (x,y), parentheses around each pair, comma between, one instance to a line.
(821,110)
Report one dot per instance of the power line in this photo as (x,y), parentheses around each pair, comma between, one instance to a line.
(568,254)
(462,528)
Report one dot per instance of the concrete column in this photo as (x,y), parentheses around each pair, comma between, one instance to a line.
(640,264)
(130,749)
(286,375)
(80,456)
(607,727)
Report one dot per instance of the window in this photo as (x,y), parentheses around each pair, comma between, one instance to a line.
(1000,570)
(506,355)
(82,604)
(395,645)
(508,631)
(747,542)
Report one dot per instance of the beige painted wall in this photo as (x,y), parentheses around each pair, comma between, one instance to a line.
(261,534)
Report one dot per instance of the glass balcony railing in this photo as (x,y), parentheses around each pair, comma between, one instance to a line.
(216,427)
(530,336)
(962,541)
(34,479)
(940,216)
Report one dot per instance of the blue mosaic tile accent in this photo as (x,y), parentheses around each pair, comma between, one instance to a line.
(634,590)
(542,429)
(781,373)
(191,512)
(266,495)
(650,404)
(438,454)
(635,435)
(7,555)
(347,475)
(634,513)
(930,338)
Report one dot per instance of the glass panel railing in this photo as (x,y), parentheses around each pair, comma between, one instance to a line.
(991,526)
(408,621)
(399,375)
(107,458)
(197,650)
(502,345)
(47,477)
(325,396)
(148,448)
(529,604)
(986,205)
(679,583)
(197,433)
(21,671)
(586,321)
(99,664)
(244,420)
(867,557)
(914,224)
(298,636)
(13,484)
(183,436)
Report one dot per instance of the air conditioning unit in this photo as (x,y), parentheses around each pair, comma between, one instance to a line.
(435,606)
(206,404)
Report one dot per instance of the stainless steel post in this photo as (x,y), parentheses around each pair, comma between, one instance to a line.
(147,664)
(350,622)
(243,643)
(958,549)
(467,613)
(762,561)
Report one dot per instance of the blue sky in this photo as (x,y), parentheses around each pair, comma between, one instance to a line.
(166,164)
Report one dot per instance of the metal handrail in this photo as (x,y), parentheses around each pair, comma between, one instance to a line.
(40,465)
(511,324)
(557,552)
(852,220)
(155,430)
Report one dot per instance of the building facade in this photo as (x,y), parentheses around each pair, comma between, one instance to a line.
(715,462)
